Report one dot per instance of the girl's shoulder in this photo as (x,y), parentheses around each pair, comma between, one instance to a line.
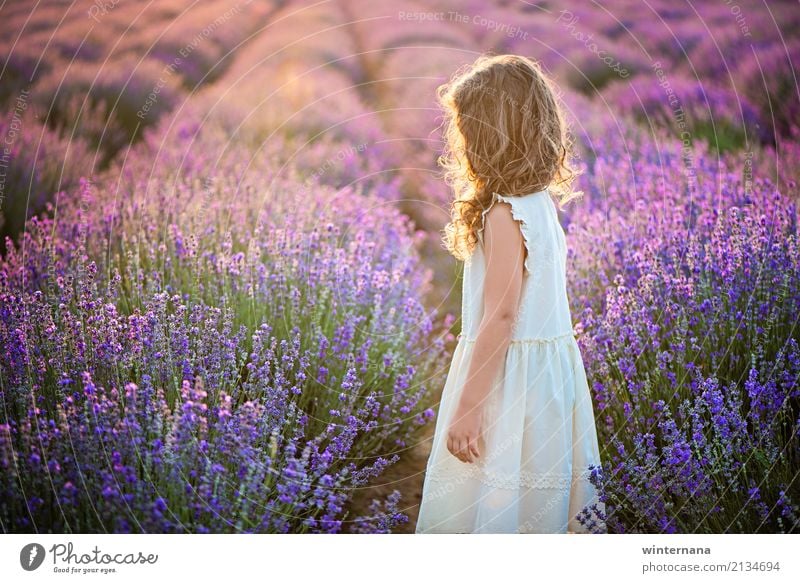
(522,200)
(527,211)
(524,208)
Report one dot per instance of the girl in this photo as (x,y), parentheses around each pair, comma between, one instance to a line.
(515,436)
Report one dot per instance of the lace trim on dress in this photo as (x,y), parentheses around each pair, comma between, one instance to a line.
(523,227)
(550,480)
(482,226)
(517,217)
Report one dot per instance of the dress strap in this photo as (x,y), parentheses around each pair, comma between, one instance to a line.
(515,202)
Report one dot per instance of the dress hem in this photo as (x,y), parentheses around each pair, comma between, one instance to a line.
(550,480)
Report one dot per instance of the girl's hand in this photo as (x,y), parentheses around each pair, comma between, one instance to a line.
(463,433)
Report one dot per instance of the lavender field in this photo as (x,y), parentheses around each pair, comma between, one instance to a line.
(224,302)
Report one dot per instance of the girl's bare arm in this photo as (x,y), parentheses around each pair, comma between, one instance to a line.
(504,248)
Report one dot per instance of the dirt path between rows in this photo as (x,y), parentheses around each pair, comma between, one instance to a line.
(406,475)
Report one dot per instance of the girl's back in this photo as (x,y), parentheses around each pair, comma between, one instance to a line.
(544,307)
(515,440)
(539,442)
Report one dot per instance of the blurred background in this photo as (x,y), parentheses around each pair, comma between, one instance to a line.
(224,301)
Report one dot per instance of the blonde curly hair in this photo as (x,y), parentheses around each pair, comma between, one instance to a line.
(504,132)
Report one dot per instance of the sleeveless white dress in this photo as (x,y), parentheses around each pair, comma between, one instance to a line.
(539,438)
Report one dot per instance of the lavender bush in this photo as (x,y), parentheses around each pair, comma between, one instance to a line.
(108,103)
(37,164)
(695,108)
(691,342)
(222,379)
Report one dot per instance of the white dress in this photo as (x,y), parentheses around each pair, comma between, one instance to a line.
(539,437)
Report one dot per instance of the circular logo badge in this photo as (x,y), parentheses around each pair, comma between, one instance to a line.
(31,556)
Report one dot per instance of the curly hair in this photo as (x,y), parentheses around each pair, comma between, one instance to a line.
(504,132)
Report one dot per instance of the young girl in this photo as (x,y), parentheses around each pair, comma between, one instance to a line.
(515,434)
